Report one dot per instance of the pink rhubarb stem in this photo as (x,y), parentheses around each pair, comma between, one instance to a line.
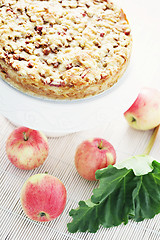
(152,140)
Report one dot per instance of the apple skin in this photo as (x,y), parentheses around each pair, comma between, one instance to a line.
(144,113)
(92,155)
(27,148)
(43,197)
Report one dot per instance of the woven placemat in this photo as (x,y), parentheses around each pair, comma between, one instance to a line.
(13,222)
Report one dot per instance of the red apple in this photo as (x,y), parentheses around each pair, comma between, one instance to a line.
(27,148)
(144,113)
(43,197)
(92,155)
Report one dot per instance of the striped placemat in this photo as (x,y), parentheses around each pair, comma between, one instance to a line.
(13,222)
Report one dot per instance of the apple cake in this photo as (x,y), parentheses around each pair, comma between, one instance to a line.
(63,49)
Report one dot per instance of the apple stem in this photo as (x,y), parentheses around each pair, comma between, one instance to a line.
(152,140)
(100,145)
(25,136)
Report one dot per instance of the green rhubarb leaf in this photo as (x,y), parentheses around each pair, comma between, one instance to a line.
(87,210)
(112,195)
(146,196)
(121,195)
(140,164)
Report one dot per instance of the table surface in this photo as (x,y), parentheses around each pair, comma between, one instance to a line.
(143,71)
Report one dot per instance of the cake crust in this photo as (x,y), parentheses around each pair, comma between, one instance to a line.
(63,49)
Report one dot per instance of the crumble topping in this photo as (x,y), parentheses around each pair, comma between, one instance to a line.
(64,42)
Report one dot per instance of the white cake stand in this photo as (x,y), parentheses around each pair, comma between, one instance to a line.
(54,117)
